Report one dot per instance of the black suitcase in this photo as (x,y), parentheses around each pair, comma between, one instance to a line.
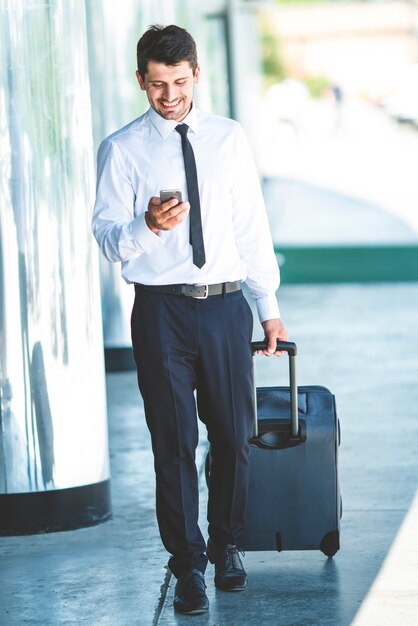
(294,499)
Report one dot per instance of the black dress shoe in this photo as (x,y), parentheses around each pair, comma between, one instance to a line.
(230,574)
(189,596)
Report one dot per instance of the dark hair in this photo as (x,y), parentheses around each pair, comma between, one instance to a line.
(165,44)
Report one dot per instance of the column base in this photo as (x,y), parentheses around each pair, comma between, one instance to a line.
(119,360)
(56,510)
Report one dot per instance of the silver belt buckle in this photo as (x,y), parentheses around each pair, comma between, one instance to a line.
(205,293)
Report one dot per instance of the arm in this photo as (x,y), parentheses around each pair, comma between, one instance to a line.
(120,235)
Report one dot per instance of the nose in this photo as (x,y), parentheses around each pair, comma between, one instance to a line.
(170,93)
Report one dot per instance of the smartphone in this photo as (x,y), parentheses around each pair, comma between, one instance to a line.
(167,194)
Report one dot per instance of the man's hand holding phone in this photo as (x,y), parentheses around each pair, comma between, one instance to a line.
(167,211)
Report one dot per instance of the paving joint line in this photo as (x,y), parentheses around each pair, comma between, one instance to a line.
(163,595)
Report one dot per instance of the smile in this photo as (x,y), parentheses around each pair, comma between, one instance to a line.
(170,105)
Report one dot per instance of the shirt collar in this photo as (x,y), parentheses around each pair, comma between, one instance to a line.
(166,127)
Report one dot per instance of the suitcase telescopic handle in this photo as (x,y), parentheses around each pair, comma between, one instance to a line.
(283,346)
(290,348)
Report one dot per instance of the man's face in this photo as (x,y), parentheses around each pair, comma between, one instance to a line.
(169,88)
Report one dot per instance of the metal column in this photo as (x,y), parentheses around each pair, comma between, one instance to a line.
(54,467)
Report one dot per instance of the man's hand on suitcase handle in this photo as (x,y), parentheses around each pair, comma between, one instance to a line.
(273,330)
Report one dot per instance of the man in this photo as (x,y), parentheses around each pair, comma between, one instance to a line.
(191,325)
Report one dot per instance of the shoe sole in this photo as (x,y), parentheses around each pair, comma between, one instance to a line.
(194,612)
(231,588)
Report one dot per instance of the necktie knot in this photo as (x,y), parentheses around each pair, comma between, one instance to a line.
(182,129)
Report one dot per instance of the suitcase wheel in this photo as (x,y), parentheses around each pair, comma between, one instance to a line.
(330,543)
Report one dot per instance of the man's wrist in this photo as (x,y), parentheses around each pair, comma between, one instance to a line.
(150,224)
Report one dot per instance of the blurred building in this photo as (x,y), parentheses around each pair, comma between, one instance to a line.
(362,46)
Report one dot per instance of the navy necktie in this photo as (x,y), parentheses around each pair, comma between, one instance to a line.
(196,233)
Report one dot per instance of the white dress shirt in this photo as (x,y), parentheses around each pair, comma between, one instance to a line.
(145,156)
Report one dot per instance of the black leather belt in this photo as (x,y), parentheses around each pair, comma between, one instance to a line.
(201,292)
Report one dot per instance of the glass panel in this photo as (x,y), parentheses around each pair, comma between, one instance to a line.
(217,68)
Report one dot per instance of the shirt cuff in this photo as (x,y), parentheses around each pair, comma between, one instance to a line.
(144,236)
(267,308)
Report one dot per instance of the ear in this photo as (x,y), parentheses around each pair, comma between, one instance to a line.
(140,80)
(196,74)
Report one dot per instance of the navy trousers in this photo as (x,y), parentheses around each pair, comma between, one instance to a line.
(181,346)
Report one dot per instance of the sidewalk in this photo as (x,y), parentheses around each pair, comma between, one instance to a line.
(361,342)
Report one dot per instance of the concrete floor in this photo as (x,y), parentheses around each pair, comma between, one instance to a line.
(361,342)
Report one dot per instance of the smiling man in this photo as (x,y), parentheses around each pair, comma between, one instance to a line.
(191,325)
(169,88)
